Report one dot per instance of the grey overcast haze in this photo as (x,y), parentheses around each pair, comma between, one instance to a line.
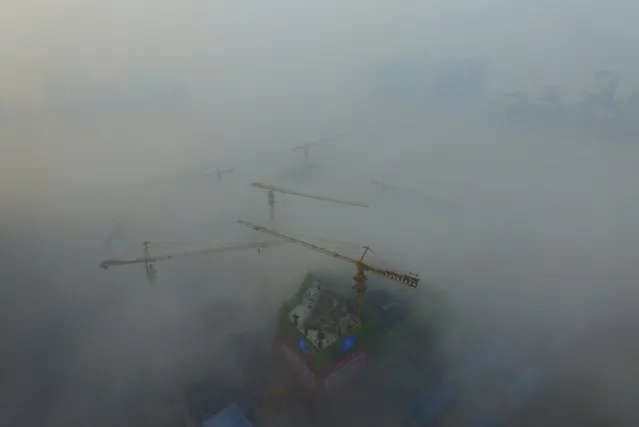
(117,114)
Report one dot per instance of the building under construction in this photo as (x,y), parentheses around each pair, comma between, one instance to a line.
(327,340)
(328,351)
(326,335)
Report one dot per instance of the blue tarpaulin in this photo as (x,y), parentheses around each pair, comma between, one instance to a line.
(231,416)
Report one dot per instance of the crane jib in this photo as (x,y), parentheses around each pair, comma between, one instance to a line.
(407,279)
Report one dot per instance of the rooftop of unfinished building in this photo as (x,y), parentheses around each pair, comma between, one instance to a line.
(322,315)
(323,312)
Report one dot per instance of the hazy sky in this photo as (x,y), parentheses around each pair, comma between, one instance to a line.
(271,59)
(545,233)
(538,42)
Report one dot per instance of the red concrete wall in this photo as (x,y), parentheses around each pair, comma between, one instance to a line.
(343,372)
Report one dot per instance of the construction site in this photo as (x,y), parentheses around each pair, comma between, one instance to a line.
(222,214)
(337,342)
(362,285)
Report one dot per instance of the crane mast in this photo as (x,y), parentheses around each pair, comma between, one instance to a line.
(408,279)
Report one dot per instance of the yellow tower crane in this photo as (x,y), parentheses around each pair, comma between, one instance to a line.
(149,261)
(271,197)
(408,279)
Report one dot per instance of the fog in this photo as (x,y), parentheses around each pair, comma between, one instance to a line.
(117,114)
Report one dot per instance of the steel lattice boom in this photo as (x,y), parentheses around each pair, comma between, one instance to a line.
(408,279)
(148,260)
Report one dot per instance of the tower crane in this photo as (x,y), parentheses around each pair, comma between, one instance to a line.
(271,197)
(408,279)
(306,147)
(219,172)
(149,261)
